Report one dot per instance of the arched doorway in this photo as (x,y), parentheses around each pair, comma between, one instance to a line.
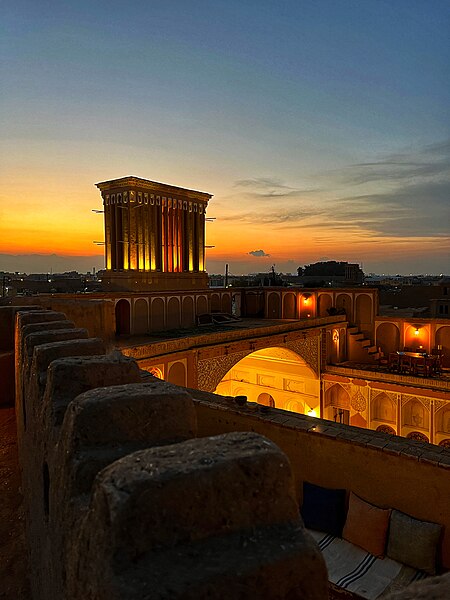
(363,316)
(140,317)
(226,303)
(273,306)
(266,399)
(202,306)
(173,313)
(443,339)
(289,306)
(215,303)
(274,377)
(157,314)
(187,312)
(123,316)
(325,302)
(388,338)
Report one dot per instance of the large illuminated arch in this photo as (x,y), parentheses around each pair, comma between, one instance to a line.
(278,373)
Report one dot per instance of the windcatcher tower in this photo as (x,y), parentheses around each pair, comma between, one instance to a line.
(154,235)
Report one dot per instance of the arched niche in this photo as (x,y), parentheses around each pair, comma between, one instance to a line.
(187,312)
(140,316)
(289,302)
(177,374)
(273,306)
(325,302)
(363,313)
(295,406)
(383,408)
(157,320)
(445,443)
(414,414)
(123,316)
(388,338)
(173,313)
(215,303)
(202,306)
(226,303)
(266,399)
(417,435)
(337,396)
(442,419)
(442,338)
(386,429)
(344,302)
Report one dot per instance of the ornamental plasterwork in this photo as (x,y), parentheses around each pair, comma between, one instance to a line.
(211,371)
(438,404)
(308,349)
(358,402)
(424,401)
(328,384)
(393,396)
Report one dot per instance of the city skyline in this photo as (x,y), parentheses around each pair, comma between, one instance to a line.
(321,130)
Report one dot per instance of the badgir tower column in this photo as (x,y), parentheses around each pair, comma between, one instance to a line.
(154,235)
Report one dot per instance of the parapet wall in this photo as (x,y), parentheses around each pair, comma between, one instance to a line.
(388,471)
(123,501)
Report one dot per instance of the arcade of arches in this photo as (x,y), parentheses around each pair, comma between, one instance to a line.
(275,377)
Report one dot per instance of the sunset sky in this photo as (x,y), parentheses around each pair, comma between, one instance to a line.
(322,127)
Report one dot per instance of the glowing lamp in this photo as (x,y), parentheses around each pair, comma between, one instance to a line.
(416,331)
(311,412)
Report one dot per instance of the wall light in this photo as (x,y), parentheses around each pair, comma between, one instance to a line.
(311,412)
(416,331)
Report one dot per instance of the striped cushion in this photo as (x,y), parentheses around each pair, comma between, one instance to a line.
(359,572)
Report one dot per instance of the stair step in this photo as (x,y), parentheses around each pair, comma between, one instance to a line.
(365,343)
(353,330)
(373,350)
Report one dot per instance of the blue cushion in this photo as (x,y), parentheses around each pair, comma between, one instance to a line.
(323,509)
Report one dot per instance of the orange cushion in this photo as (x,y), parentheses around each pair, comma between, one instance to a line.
(366,526)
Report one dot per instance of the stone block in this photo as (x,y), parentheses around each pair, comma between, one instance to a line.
(70,377)
(207,518)
(67,378)
(101,426)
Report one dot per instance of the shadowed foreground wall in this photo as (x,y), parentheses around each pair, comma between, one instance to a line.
(116,484)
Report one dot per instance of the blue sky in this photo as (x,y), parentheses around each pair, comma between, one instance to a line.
(326,122)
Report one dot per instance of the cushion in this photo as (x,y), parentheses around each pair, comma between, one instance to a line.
(413,542)
(366,526)
(323,509)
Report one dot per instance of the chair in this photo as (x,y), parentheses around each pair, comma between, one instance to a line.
(421,367)
(394,362)
(406,365)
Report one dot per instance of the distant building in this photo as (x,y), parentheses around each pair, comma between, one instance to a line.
(331,272)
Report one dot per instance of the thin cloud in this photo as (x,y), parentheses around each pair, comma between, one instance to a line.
(258,253)
(269,187)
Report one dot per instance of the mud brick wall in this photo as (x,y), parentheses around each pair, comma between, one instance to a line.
(124,501)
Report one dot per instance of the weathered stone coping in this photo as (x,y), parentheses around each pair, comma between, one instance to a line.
(407,380)
(437,456)
(170,346)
